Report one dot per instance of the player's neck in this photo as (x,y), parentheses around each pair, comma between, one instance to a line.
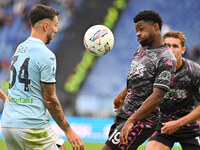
(38,35)
(179,64)
(158,41)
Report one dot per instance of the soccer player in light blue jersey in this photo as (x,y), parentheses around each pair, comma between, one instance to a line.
(3,95)
(32,92)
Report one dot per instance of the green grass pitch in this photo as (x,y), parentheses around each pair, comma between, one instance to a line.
(88,146)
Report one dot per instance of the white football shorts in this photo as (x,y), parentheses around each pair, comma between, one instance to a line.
(31,139)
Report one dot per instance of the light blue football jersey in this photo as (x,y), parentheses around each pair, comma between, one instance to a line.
(31,64)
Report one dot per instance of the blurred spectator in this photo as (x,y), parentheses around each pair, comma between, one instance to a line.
(19,6)
(1,17)
(8,20)
(44,2)
(186,54)
(6,3)
(195,53)
(25,15)
(165,28)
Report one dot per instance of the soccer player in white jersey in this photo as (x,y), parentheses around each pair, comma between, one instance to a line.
(32,91)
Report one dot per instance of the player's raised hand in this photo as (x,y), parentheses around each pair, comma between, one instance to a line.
(125,131)
(119,99)
(74,140)
(118,102)
(170,127)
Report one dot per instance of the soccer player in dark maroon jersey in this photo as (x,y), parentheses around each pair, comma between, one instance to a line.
(178,102)
(151,71)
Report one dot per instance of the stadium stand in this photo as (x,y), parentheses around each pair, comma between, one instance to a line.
(108,77)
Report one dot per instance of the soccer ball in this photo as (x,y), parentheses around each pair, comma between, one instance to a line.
(98,40)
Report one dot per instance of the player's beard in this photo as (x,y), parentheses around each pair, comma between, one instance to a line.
(147,42)
(144,43)
(49,38)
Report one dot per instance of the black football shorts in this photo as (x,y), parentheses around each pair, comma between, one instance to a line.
(189,139)
(138,135)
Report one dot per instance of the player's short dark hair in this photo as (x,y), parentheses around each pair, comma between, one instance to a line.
(40,12)
(176,34)
(149,15)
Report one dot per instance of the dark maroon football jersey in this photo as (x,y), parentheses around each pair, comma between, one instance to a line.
(184,92)
(149,68)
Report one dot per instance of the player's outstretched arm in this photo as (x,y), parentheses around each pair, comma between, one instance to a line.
(3,96)
(171,126)
(119,99)
(146,108)
(52,103)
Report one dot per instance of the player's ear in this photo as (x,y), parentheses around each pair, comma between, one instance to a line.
(183,50)
(45,25)
(155,26)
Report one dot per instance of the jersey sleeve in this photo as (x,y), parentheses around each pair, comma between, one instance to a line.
(48,69)
(165,70)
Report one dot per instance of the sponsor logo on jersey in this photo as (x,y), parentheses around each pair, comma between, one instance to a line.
(19,100)
(176,93)
(137,69)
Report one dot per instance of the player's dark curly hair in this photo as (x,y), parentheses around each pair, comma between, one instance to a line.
(149,15)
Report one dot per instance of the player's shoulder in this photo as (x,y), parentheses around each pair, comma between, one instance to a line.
(45,56)
(192,69)
(37,48)
(191,65)
(138,49)
(167,52)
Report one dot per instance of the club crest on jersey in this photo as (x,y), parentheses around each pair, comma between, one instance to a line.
(165,75)
(53,70)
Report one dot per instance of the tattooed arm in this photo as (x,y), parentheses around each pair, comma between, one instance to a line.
(53,105)
(3,95)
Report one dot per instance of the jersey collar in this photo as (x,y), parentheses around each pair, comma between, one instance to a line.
(35,39)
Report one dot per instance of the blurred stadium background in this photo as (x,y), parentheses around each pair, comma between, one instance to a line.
(87,85)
